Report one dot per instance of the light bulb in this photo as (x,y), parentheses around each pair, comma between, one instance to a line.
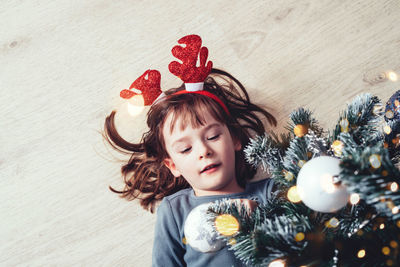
(135,105)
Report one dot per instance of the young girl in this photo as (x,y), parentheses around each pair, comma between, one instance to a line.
(192,154)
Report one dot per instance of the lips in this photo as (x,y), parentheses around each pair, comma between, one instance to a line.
(211,166)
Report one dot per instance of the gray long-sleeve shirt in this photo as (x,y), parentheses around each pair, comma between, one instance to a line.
(169,248)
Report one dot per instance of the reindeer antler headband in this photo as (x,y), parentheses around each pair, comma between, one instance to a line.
(148,84)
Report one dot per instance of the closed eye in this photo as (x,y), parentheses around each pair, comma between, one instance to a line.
(214,137)
(186,150)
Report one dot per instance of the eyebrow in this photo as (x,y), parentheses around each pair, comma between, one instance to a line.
(205,129)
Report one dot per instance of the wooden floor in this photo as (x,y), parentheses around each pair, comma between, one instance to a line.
(63,64)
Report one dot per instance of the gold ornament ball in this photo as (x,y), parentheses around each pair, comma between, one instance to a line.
(300,130)
(227,224)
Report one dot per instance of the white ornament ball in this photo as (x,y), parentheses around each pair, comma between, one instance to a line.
(199,233)
(316,188)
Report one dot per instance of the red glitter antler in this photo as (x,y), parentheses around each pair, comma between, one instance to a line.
(149,87)
(187,71)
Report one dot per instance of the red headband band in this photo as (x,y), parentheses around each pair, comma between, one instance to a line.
(205,93)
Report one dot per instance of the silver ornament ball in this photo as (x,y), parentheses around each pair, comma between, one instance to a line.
(316,187)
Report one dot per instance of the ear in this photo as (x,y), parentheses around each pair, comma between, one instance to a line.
(172,167)
(237,144)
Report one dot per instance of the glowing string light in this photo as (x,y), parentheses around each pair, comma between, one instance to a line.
(361,253)
(395,210)
(387,129)
(354,198)
(394,187)
(277,263)
(299,237)
(386,250)
(135,105)
(293,194)
(327,184)
(337,147)
(389,114)
(375,161)
(289,176)
(392,76)
(301,163)
(332,223)
(232,241)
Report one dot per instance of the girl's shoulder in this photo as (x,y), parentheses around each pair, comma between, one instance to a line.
(258,183)
(175,201)
(261,188)
(181,193)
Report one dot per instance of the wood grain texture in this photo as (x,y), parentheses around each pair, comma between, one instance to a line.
(63,63)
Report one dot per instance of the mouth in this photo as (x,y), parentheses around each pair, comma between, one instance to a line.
(211,167)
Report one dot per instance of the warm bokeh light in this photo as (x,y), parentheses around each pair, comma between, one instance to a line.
(392,76)
(375,161)
(382,226)
(394,187)
(299,237)
(354,198)
(301,163)
(327,183)
(389,114)
(395,210)
(396,140)
(277,263)
(288,176)
(337,147)
(300,130)
(293,194)
(135,105)
(386,250)
(361,253)
(232,241)
(332,223)
(387,129)
(393,244)
(390,204)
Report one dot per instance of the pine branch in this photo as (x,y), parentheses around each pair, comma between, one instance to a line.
(392,139)
(370,173)
(363,119)
(296,154)
(264,151)
(318,146)
(303,116)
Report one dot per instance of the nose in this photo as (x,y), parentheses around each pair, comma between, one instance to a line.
(205,151)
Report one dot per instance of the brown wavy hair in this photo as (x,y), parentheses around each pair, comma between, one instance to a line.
(145,175)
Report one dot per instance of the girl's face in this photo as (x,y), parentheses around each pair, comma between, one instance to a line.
(192,150)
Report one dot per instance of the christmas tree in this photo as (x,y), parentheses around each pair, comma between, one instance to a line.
(337,199)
